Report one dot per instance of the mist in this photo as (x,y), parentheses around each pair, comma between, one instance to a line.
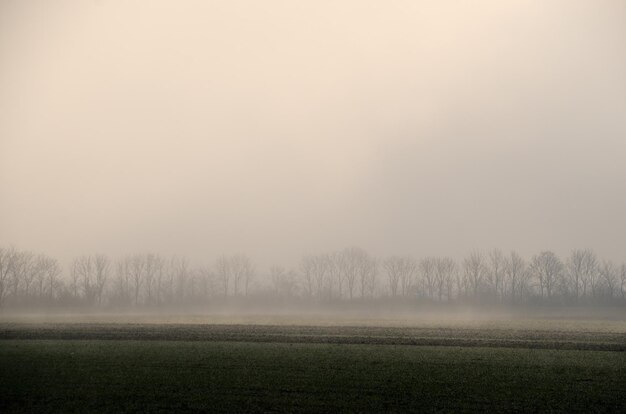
(280,129)
(312,206)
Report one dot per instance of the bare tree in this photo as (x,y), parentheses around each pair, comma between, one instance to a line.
(355,265)
(548,269)
(222,269)
(47,271)
(242,271)
(102,269)
(6,265)
(496,273)
(307,269)
(335,274)
(515,274)
(610,278)
(475,269)
(320,275)
(180,267)
(427,269)
(154,274)
(622,278)
(444,277)
(582,268)
(237,269)
(366,269)
(168,286)
(137,276)
(400,273)
(52,273)
(83,274)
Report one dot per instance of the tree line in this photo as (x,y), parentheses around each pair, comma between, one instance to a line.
(352,274)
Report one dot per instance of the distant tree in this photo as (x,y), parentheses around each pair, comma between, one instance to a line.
(222,270)
(582,268)
(475,270)
(366,270)
(182,273)
(321,267)
(400,274)
(548,269)
(335,274)
(445,269)
(102,270)
(622,277)
(237,269)
(137,276)
(610,278)
(515,273)
(47,272)
(243,272)
(83,277)
(392,267)
(306,269)
(427,269)
(6,264)
(124,275)
(356,265)
(495,273)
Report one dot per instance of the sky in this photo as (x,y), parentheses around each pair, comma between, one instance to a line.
(284,128)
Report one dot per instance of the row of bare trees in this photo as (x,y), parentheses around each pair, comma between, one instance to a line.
(140,279)
(152,280)
(485,277)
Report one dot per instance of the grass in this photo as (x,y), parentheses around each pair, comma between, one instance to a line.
(234,368)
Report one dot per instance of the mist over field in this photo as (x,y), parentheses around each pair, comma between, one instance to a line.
(312,206)
(281,129)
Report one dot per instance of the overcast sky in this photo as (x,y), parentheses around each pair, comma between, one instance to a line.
(278,128)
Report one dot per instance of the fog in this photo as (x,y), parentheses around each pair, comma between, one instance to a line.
(279,129)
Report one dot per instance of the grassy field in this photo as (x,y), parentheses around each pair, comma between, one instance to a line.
(112,367)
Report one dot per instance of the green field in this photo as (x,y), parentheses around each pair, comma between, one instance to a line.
(78,367)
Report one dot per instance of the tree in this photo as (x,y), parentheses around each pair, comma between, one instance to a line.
(137,276)
(243,271)
(356,265)
(582,268)
(335,273)
(47,271)
(610,279)
(180,269)
(366,270)
(307,267)
(548,269)
(122,285)
(101,269)
(515,275)
(321,269)
(83,277)
(475,269)
(427,269)
(400,273)
(155,270)
(6,265)
(622,278)
(444,276)
(496,273)
(52,273)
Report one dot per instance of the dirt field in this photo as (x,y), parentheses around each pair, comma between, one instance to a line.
(307,364)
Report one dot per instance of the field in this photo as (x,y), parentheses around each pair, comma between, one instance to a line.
(311,365)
